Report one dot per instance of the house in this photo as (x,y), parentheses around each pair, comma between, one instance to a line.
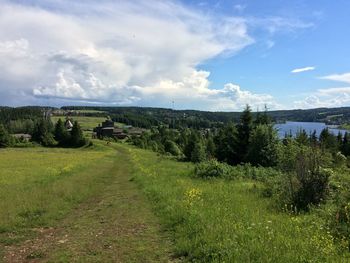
(68,124)
(107,129)
(22,136)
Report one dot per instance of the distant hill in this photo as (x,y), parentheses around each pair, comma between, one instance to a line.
(148,116)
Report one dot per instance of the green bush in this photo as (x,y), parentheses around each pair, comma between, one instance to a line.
(213,169)
(337,211)
(172,148)
(305,181)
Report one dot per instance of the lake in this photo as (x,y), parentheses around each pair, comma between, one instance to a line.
(293,127)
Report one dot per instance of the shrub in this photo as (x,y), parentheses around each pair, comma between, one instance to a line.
(305,181)
(172,148)
(337,211)
(213,169)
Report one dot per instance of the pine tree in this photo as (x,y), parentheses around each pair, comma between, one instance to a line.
(245,128)
(198,154)
(302,137)
(345,148)
(210,145)
(60,133)
(328,140)
(227,145)
(4,137)
(77,138)
(263,146)
(42,133)
(193,138)
(313,139)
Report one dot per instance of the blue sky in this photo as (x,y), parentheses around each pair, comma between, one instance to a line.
(207,55)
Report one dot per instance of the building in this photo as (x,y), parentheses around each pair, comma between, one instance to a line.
(23,136)
(68,124)
(107,129)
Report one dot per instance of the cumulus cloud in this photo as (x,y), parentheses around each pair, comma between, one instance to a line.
(338,77)
(331,97)
(298,70)
(193,92)
(118,52)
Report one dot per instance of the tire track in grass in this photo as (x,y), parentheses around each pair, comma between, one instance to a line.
(116,225)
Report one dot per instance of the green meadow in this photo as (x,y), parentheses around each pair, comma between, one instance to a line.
(85,122)
(116,203)
(72,205)
(229,221)
(39,185)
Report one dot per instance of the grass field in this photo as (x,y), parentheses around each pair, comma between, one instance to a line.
(74,205)
(345,126)
(229,221)
(90,205)
(86,122)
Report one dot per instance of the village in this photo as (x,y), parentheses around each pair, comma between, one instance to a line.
(108,130)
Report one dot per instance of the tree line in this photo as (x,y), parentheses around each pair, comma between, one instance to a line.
(47,134)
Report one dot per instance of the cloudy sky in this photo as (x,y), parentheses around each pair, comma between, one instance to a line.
(207,55)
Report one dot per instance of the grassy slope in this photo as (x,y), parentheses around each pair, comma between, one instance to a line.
(74,205)
(228,221)
(79,205)
(86,123)
(345,126)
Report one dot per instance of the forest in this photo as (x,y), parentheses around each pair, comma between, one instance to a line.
(147,117)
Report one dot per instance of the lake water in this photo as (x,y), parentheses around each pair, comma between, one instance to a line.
(293,128)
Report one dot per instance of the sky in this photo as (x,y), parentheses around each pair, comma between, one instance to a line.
(203,55)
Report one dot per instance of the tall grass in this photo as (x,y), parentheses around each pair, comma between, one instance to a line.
(222,220)
(40,185)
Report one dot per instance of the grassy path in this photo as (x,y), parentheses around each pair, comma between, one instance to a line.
(114,225)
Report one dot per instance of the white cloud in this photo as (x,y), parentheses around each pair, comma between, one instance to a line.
(298,70)
(276,24)
(328,97)
(193,92)
(331,97)
(270,44)
(239,8)
(338,77)
(100,52)
(121,52)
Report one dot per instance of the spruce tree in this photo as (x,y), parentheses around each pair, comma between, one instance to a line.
(4,137)
(245,128)
(345,148)
(263,146)
(77,138)
(193,138)
(60,133)
(227,145)
(302,137)
(198,154)
(42,133)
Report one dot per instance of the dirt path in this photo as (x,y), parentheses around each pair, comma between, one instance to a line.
(115,226)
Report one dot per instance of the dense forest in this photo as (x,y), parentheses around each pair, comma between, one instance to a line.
(20,120)
(148,117)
